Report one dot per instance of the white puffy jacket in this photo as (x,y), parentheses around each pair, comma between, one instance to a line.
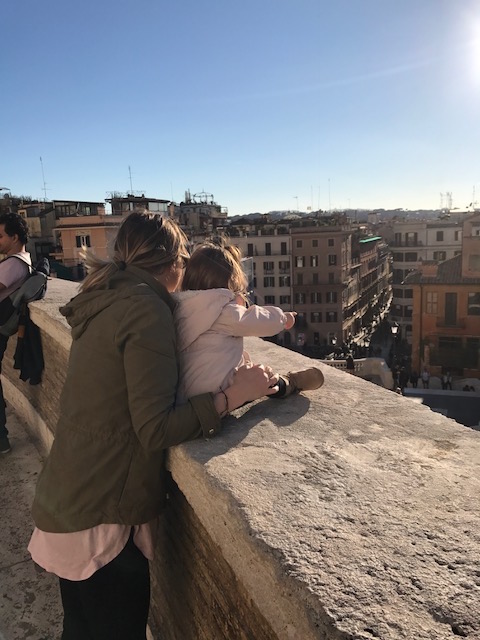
(210,329)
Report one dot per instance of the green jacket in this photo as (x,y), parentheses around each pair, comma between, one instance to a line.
(117,410)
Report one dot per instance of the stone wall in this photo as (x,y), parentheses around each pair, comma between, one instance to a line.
(347,513)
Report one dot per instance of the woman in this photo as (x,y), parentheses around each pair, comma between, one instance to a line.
(102,483)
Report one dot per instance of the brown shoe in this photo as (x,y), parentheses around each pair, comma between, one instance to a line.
(305,380)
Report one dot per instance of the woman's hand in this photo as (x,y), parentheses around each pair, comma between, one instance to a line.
(251,381)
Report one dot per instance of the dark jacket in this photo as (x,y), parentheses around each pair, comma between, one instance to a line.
(117,413)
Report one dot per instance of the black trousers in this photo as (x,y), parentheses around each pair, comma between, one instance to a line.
(3,417)
(113,603)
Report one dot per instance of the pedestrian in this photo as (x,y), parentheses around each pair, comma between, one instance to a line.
(444,381)
(414,378)
(350,363)
(425,378)
(212,317)
(103,483)
(448,380)
(403,378)
(14,270)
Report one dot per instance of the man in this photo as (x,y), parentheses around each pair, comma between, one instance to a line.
(13,271)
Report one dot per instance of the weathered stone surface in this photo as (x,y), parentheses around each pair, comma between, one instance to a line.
(29,600)
(349,512)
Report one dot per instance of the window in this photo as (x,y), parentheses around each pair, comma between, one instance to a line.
(268,249)
(431,302)
(411,256)
(397,256)
(299,278)
(331,242)
(398,293)
(315,316)
(300,262)
(473,308)
(439,236)
(316,298)
(284,281)
(451,309)
(314,243)
(457,235)
(268,267)
(299,244)
(331,297)
(411,239)
(285,300)
(300,298)
(83,241)
(269,299)
(315,278)
(331,278)
(314,261)
(269,281)
(397,276)
(332,259)
(283,248)
(449,342)
(408,293)
(331,316)
(398,240)
(474,262)
(408,311)
(284,266)
(440,255)
(249,249)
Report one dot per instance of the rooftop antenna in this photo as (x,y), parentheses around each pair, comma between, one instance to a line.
(44,183)
(130,176)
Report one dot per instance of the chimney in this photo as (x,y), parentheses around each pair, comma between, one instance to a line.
(429,268)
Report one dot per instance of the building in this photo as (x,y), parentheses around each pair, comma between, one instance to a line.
(446,309)
(410,243)
(199,215)
(335,277)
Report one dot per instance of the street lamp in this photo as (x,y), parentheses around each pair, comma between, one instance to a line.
(394,330)
(334,340)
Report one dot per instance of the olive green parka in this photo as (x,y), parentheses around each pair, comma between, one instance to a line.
(117,409)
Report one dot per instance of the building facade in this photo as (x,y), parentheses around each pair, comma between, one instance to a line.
(446,309)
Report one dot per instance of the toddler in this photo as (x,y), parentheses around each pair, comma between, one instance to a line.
(212,317)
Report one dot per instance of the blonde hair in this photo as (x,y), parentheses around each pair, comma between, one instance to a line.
(215,265)
(144,240)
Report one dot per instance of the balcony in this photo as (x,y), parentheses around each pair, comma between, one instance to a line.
(459,323)
(350,511)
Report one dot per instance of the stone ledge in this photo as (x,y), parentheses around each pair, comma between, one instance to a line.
(350,512)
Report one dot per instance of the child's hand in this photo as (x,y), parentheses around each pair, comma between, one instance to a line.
(290,319)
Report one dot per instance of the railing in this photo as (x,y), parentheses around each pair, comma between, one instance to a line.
(367,368)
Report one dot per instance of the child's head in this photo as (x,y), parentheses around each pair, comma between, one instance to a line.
(215,266)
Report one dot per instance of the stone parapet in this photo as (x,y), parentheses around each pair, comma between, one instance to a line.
(347,513)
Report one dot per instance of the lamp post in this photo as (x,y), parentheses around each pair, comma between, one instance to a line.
(394,330)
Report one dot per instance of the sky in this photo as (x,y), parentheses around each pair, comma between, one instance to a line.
(266,104)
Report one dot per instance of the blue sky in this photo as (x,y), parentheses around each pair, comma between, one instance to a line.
(267,104)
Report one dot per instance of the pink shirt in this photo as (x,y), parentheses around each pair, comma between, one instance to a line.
(76,556)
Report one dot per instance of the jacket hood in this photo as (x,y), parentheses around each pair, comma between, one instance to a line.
(126,284)
(197,311)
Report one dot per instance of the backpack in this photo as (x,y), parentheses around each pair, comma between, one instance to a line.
(32,288)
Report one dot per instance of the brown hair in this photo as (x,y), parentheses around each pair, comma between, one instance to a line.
(144,240)
(215,265)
